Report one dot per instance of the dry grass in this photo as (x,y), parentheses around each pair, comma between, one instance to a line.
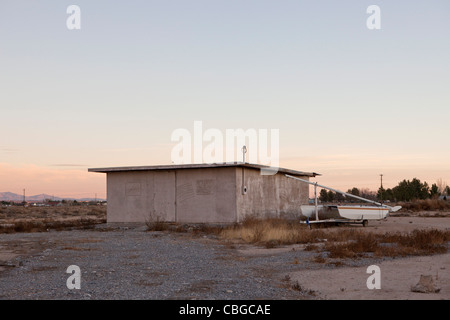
(426,205)
(48,224)
(18,212)
(269,232)
(298,287)
(198,229)
(274,231)
(41,219)
(415,243)
(154,222)
(339,243)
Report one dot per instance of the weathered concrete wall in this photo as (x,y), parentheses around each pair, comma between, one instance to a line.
(141,195)
(206,195)
(212,195)
(269,195)
(195,195)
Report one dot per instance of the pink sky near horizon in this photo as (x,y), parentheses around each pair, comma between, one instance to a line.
(70,183)
(340,171)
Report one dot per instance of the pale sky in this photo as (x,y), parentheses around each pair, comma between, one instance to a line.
(349,102)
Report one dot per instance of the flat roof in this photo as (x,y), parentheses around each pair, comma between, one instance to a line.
(202,166)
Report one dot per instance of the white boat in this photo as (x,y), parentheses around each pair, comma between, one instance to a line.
(342,213)
(363,212)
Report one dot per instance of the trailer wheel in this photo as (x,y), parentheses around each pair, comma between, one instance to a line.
(365,223)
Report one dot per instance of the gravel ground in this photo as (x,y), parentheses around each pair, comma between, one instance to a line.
(130,263)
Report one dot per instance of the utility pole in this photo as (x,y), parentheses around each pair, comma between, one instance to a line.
(381,190)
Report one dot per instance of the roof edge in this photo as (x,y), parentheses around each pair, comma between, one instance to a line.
(203,166)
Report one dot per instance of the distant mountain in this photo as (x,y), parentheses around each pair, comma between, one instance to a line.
(9,196)
(41,197)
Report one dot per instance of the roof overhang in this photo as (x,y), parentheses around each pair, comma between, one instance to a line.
(205,166)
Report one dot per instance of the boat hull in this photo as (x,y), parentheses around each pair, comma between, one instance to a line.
(337,212)
(363,213)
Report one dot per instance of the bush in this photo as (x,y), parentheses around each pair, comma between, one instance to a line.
(426,205)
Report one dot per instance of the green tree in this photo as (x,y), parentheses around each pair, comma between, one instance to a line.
(421,190)
(368,194)
(331,196)
(339,197)
(355,191)
(323,195)
(434,191)
(408,190)
(385,194)
(389,195)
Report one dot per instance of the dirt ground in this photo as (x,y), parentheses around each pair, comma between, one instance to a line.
(397,275)
(407,224)
(396,279)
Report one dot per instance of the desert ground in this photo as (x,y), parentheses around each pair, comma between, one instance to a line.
(397,275)
(135,262)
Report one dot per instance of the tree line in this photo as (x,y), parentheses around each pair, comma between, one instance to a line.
(406,190)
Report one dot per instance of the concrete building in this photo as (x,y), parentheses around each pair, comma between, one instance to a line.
(202,193)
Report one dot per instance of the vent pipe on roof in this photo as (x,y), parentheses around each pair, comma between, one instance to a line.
(244,151)
(244,188)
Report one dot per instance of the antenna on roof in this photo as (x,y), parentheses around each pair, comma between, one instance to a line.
(244,151)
